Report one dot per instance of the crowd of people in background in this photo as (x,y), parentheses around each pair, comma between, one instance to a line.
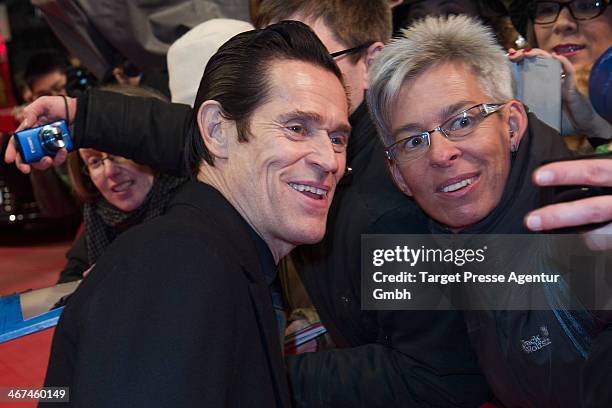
(218,224)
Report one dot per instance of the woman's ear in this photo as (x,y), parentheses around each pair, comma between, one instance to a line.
(215,129)
(398,179)
(517,123)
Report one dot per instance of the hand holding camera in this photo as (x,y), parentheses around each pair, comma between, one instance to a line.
(40,112)
(33,144)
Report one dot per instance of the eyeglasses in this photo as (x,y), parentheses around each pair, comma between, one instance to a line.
(350,50)
(94,165)
(547,12)
(454,128)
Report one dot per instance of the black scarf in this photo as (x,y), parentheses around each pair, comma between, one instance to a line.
(104,222)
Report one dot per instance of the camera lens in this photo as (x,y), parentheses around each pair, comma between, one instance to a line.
(51,138)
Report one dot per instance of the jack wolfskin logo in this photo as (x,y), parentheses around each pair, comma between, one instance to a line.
(536,342)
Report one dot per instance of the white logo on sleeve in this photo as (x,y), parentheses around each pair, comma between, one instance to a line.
(537,342)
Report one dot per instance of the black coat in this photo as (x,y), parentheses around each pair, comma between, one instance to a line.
(597,375)
(549,376)
(400,358)
(77,260)
(176,313)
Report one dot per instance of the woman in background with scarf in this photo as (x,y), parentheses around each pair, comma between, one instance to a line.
(117,194)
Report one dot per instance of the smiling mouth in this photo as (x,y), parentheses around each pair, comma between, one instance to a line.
(309,191)
(458,185)
(568,48)
(122,187)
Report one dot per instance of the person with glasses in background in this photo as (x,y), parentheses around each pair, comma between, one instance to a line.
(117,193)
(465,150)
(576,33)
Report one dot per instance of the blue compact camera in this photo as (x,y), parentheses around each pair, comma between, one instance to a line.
(45,140)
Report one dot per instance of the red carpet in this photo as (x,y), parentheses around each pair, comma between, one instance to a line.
(23,363)
(28,260)
(30,267)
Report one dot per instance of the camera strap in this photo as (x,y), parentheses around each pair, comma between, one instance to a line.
(66,109)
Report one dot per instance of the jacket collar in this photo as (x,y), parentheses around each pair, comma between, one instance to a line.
(251,251)
(257,264)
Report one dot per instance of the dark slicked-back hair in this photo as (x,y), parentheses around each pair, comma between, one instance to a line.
(237,76)
(353,22)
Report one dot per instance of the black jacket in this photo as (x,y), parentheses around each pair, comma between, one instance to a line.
(520,377)
(416,359)
(597,376)
(176,313)
(77,260)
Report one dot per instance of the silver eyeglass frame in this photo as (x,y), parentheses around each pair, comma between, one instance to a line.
(486,109)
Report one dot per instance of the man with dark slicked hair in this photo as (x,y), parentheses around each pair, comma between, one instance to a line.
(178,311)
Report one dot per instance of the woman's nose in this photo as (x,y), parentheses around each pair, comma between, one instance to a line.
(110,167)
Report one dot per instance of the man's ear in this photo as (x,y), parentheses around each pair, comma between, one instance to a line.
(370,55)
(398,179)
(118,75)
(517,123)
(215,129)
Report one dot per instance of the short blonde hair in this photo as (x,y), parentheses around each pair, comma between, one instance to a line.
(429,43)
